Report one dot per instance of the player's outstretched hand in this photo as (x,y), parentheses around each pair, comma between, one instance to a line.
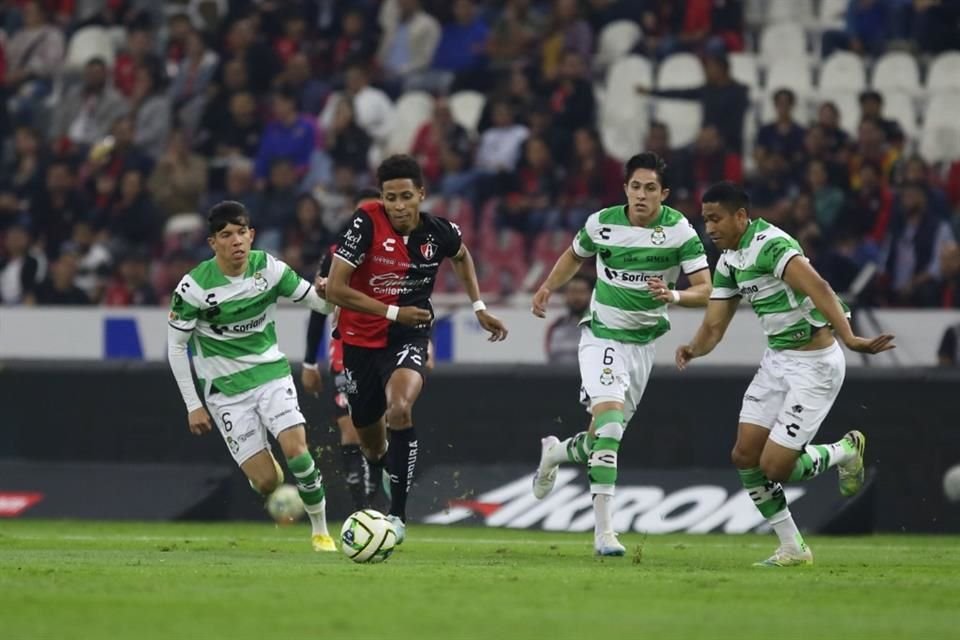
(871,345)
(414,317)
(311,380)
(494,325)
(540,300)
(320,284)
(659,290)
(199,421)
(683,356)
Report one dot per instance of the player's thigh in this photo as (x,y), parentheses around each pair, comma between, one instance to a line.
(261,471)
(238,421)
(363,385)
(403,370)
(751,440)
(279,406)
(814,385)
(640,365)
(764,396)
(604,369)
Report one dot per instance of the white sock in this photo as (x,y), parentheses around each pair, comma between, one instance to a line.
(602,514)
(839,453)
(318,517)
(786,529)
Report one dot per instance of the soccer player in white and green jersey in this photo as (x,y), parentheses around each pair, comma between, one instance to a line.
(801,372)
(224,309)
(641,248)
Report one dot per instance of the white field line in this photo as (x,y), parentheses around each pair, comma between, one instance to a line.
(697,541)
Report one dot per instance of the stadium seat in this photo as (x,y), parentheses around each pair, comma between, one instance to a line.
(896,70)
(848,103)
(944,73)
(783,40)
(86,44)
(466,107)
(616,40)
(682,117)
(788,73)
(410,112)
(832,14)
(795,11)
(743,68)
(842,71)
(624,116)
(940,139)
(899,106)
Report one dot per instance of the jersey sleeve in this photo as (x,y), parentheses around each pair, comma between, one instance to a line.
(185,305)
(693,257)
(583,244)
(289,283)
(451,239)
(724,286)
(355,240)
(775,255)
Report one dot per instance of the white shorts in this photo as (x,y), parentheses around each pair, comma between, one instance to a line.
(245,418)
(614,371)
(792,393)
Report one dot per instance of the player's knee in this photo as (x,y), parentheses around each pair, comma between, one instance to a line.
(775,470)
(743,459)
(265,485)
(400,414)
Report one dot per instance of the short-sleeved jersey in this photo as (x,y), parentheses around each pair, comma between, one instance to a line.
(755,270)
(394,269)
(628,256)
(234,340)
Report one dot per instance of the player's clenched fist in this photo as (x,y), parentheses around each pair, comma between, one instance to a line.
(414,316)
(540,300)
(199,421)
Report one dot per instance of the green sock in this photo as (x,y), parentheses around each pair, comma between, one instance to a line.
(766,495)
(310,486)
(602,466)
(578,447)
(817,458)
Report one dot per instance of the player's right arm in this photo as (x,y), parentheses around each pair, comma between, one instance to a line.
(723,304)
(352,246)
(184,312)
(566,266)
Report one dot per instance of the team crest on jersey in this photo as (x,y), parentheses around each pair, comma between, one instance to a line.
(259,281)
(606,376)
(658,237)
(428,249)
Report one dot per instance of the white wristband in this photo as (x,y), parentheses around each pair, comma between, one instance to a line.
(479,306)
(676,296)
(312,366)
(392,312)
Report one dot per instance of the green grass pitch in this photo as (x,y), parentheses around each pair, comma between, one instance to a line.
(139,581)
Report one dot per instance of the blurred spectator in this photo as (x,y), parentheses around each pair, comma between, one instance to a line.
(131,283)
(871,148)
(138,46)
(192,80)
(515,33)
(33,56)
(275,210)
(437,136)
(58,207)
(307,234)
(530,204)
(603,12)
(130,219)
(950,276)
(711,162)
(724,100)
(116,153)
(21,268)
(58,288)
(934,25)
(298,76)
(461,52)
(828,117)
(871,208)
(516,88)
(179,181)
(828,199)
(500,145)
(915,169)
(347,143)
(337,202)
(783,136)
(408,43)
(593,179)
(238,185)
(770,187)
(662,21)
(291,41)
(680,179)
(567,33)
(356,43)
(179,28)
(571,97)
(86,113)
(563,335)
(871,108)
(25,172)
(218,101)
(917,242)
(151,108)
(290,136)
(865,30)
(242,44)
(93,259)
(816,147)
(373,109)
(239,132)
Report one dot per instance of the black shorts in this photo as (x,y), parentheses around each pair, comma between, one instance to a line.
(367,371)
(339,402)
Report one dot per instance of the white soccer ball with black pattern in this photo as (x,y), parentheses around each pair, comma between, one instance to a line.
(284,504)
(367,536)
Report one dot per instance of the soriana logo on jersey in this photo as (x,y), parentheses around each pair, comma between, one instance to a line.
(13,503)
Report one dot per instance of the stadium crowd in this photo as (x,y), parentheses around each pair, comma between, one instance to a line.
(123,120)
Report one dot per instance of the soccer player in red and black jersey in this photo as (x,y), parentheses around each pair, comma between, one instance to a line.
(382,276)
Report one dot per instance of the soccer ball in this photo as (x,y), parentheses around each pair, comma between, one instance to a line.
(367,536)
(951,483)
(284,505)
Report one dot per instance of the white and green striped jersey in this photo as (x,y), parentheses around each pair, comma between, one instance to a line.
(628,256)
(755,270)
(234,340)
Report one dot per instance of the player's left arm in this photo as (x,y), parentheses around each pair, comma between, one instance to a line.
(800,275)
(467,274)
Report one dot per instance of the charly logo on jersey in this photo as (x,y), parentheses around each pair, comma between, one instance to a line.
(260,282)
(658,237)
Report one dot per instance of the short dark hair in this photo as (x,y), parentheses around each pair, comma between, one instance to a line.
(646,160)
(870,94)
(227,212)
(729,195)
(398,167)
(788,93)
